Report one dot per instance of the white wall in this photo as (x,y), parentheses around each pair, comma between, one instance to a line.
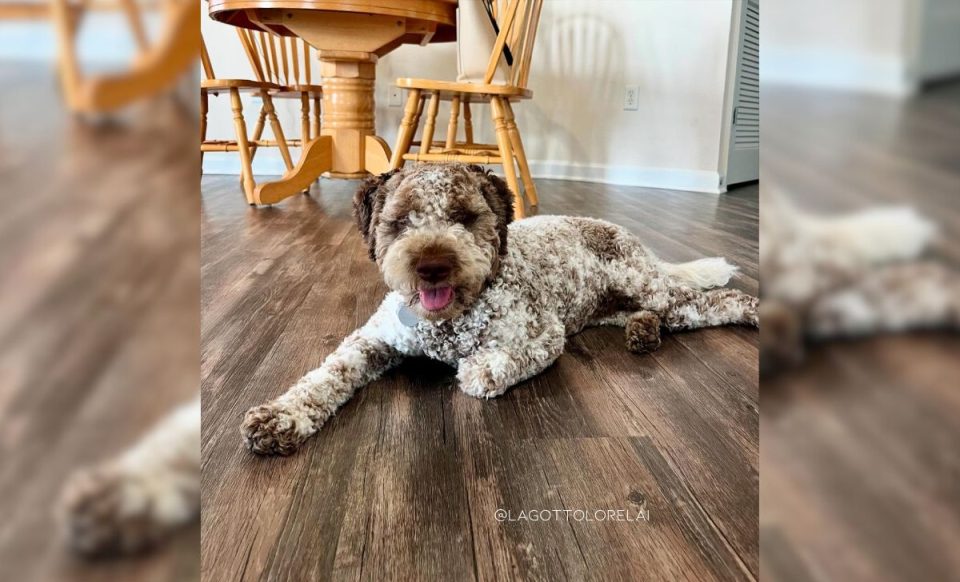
(104,40)
(881,46)
(575,127)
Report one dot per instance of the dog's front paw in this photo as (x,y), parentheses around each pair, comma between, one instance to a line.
(108,510)
(483,378)
(273,429)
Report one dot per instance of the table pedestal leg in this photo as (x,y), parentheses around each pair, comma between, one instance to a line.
(376,157)
(347,146)
(348,115)
(314,160)
(348,45)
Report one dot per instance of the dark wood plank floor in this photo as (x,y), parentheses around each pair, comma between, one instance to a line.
(859,461)
(405,480)
(99,293)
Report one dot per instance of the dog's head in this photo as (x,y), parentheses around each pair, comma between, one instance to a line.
(437,232)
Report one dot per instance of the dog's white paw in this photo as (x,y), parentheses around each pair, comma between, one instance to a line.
(111,509)
(484,377)
(274,429)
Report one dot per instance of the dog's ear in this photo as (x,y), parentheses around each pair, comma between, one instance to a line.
(499,198)
(367,203)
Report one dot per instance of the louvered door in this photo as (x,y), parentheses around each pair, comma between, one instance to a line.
(743,159)
(938,40)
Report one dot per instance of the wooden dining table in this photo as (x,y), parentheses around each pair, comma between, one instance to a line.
(350,36)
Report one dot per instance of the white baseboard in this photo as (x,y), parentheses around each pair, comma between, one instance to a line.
(666,178)
(105,40)
(266,163)
(269,163)
(885,75)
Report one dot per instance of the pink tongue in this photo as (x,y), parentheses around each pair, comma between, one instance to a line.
(436,299)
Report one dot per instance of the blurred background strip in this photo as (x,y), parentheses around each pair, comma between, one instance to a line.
(859,463)
(99,255)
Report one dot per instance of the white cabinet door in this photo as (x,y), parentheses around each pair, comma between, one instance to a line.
(743,150)
(938,42)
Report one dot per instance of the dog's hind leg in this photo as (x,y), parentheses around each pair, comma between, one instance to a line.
(689,309)
(642,332)
(693,309)
(897,298)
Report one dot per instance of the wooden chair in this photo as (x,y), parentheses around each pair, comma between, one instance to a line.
(244,145)
(157,67)
(518,20)
(276,59)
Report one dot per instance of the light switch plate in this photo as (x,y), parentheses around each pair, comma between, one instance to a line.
(631,97)
(395,97)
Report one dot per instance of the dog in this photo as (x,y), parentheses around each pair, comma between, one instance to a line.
(854,275)
(496,299)
(130,503)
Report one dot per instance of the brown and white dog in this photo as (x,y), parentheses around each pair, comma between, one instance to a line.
(131,502)
(493,298)
(856,274)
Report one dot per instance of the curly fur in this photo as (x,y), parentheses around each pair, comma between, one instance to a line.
(827,277)
(518,290)
(129,503)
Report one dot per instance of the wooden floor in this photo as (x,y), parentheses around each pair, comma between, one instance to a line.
(405,480)
(860,465)
(99,293)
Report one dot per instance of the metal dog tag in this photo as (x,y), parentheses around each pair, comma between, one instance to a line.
(407,317)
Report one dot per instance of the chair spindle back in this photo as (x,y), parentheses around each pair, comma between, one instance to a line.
(283,60)
(518,21)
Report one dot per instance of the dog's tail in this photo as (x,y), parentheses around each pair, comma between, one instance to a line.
(873,236)
(702,273)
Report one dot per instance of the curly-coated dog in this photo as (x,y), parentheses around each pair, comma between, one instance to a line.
(494,299)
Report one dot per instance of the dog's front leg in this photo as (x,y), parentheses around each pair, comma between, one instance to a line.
(281,426)
(130,502)
(491,371)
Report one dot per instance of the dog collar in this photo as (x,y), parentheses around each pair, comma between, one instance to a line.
(407,317)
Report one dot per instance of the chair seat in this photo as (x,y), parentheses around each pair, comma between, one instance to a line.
(294,91)
(241,84)
(469,91)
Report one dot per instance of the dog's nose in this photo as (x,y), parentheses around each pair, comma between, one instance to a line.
(434,270)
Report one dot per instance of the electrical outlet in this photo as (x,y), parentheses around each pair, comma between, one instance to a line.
(396,99)
(631,98)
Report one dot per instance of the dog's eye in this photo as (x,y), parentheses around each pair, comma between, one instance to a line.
(397,224)
(465,217)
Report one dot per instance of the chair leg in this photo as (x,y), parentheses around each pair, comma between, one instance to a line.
(506,155)
(426,140)
(243,146)
(304,119)
(277,129)
(416,118)
(66,19)
(407,128)
(454,118)
(315,129)
(529,188)
(467,123)
(203,125)
(315,123)
(257,133)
